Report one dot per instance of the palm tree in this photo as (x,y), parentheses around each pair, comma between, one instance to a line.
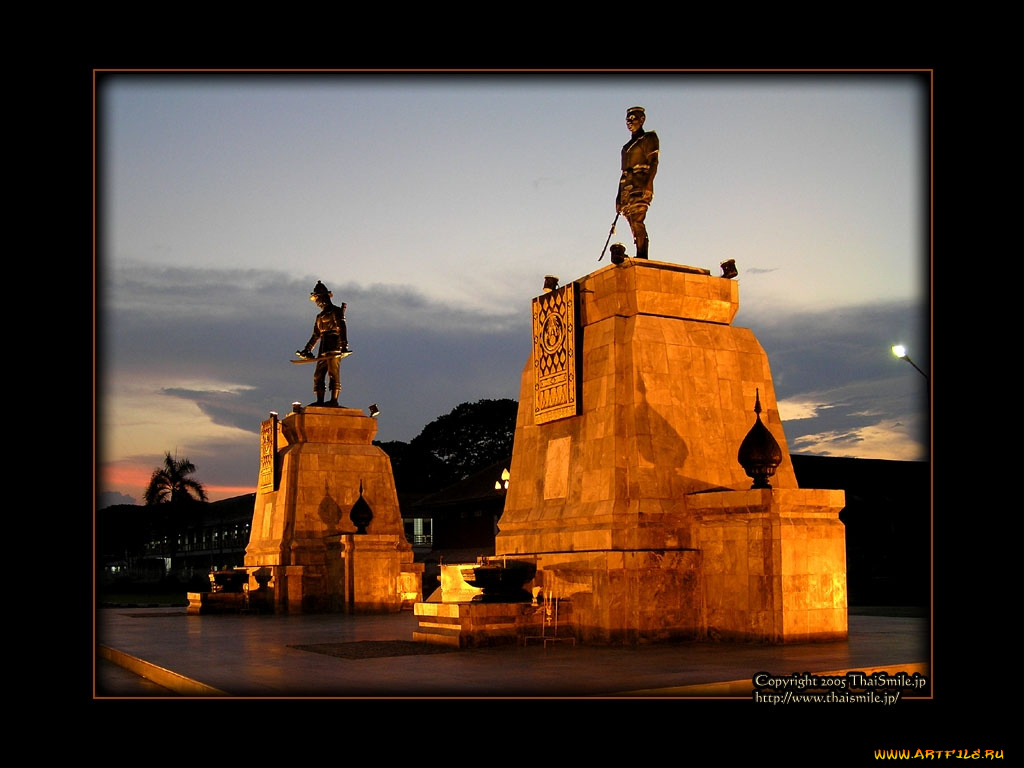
(171,483)
(170,493)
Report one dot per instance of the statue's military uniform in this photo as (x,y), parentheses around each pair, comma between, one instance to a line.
(636,185)
(330,329)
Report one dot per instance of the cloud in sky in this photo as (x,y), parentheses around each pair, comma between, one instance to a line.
(839,387)
(888,439)
(196,377)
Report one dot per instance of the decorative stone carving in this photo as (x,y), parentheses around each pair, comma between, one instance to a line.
(555,362)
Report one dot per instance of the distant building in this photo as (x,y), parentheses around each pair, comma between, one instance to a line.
(217,540)
(135,543)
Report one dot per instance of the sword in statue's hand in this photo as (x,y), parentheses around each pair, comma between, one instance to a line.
(610,233)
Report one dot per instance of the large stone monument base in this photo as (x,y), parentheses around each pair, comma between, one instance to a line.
(626,597)
(319,466)
(625,483)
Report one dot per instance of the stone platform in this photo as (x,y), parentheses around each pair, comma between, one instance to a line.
(206,603)
(476,625)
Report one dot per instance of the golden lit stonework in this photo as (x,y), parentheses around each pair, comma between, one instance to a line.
(268,449)
(554,355)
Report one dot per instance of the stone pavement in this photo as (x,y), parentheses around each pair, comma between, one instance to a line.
(251,656)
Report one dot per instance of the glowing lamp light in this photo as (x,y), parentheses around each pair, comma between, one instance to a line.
(900,351)
(502,484)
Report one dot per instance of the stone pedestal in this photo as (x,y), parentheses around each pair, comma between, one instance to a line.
(657,401)
(317,463)
(205,603)
(475,625)
(380,576)
(626,597)
(773,564)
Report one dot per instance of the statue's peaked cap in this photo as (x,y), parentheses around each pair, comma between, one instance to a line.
(319,290)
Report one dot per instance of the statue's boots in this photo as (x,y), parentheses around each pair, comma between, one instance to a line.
(334,399)
(319,399)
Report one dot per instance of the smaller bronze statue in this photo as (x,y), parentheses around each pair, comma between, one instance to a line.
(636,184)
(331,331)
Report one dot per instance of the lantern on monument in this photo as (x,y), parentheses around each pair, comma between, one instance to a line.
(361,514)
(759,454)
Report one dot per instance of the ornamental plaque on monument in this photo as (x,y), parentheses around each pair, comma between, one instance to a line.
(268,454)
(555,362)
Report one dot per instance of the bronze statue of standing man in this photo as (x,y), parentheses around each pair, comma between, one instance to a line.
(636,185)
(330,330)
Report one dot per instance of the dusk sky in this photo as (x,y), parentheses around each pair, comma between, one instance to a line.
(434,205)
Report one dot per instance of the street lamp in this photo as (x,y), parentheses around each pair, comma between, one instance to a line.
(901,352)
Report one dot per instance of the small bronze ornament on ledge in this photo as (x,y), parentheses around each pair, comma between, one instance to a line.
(759,454)
(618,253)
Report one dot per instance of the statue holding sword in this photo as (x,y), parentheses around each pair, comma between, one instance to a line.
(636,183)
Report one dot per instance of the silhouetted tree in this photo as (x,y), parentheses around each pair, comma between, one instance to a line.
(171,483)
(417,472)
(172,497)
(470,437)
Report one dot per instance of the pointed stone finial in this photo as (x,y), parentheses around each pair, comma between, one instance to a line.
(759,454)
(361,514)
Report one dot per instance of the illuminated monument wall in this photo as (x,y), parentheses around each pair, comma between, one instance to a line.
(625,485)
(321,481)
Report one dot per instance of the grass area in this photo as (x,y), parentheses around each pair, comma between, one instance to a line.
(142,598)
(142,593)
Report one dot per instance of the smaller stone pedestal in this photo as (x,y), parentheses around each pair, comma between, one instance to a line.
(773,564)
(477,625)
(466,618)
(206,603)
(319,464)
(380,575)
